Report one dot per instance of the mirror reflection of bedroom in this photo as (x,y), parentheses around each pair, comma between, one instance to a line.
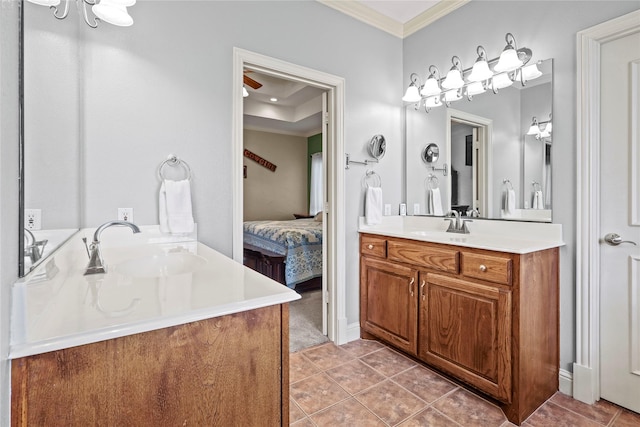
(283,195)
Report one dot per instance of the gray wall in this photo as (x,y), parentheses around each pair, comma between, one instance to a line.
(8,186)
(549,29)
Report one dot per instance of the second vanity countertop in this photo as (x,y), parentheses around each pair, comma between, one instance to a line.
(502,236)
(56,306)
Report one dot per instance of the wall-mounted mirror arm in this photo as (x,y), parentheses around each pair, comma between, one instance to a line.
(365,162)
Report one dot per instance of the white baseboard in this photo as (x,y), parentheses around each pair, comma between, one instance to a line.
(353,332)
(566,382)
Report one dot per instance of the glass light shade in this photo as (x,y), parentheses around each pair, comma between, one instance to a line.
(545,134)
(431,87)
(530,72)
(114,12)
(452,95)
(45,2)
(432,101)
(453,79)
(534,129)
(412,94)
(501,81)
(480,72)
(548,127)
(475,88)
(508,61)
(244,92)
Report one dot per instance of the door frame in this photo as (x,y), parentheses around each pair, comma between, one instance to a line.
(484,125)
(586,369)
(334,210)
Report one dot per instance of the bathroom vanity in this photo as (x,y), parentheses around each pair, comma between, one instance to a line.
(482,308)
(173,334)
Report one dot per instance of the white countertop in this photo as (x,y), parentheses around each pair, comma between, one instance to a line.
(56,306)
(502,236)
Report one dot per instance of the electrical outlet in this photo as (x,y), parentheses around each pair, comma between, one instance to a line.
(125,214)
(33,219)
(416,208)
(387,209)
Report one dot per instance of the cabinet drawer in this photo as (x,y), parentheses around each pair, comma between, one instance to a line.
(373,246)
(490,268)
(422,255)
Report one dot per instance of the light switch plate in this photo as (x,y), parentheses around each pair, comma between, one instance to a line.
(387,210)
(416,208)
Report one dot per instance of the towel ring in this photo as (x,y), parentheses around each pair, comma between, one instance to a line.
(173,160)
(431,182)
(507,183)
(377,181)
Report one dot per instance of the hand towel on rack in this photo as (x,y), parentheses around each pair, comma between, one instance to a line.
(435,202)
(175,211)
(373,205)
(509,201)
(538,201)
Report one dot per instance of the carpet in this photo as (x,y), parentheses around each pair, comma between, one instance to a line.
(305,321)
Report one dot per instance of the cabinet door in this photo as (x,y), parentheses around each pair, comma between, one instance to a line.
(388,303)
(465,329)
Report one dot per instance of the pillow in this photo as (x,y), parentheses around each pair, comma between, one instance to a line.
(318,217)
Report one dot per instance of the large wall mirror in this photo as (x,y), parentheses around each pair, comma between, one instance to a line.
(496,162)
(51,153)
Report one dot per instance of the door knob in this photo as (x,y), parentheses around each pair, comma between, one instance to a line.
(614,239)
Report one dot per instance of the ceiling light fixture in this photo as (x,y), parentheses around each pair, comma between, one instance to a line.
(273,99)
(510,66)
(111,11)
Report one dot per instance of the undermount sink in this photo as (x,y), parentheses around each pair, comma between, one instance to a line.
(161,265)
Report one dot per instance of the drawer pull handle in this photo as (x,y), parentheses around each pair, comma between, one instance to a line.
(413,279)
(483,268)
(370,247)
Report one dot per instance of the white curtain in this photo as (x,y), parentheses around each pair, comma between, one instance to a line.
(315,192)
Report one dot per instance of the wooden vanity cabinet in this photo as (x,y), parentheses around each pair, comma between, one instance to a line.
(489,319)
(223,371)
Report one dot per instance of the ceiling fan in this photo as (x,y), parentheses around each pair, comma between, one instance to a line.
(249,81)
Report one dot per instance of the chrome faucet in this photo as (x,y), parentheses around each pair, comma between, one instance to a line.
(96,263)
(33,248)
(457,224)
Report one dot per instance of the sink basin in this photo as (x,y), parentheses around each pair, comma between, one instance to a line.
(161,265)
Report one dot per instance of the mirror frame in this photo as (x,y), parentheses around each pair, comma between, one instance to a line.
(377,147)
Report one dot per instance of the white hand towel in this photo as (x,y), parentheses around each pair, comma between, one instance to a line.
(538,202)
(373,206)
(510,201)
(175,211)
(436,202)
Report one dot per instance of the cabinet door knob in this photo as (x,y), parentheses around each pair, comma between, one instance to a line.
(370,247)
(483,268)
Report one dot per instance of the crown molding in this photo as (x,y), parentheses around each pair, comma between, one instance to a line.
(376,19)
(367,15)
(431,15)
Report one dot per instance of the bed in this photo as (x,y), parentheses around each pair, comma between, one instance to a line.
(290,251)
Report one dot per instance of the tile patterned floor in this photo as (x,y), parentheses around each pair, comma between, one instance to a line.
(365,383)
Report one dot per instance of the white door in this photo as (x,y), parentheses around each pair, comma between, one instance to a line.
(325,198)
(620,216)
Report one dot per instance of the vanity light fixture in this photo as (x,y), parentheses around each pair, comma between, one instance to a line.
(480,71)
(412,94)
(454,76)
(540,129)
(432,85)
(510,66)
(111,11)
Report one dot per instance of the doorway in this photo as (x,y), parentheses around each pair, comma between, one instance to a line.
(468,154)
(333,294)
(608,272)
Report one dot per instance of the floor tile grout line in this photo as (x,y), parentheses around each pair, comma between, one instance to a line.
(572,411)
(609,423)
